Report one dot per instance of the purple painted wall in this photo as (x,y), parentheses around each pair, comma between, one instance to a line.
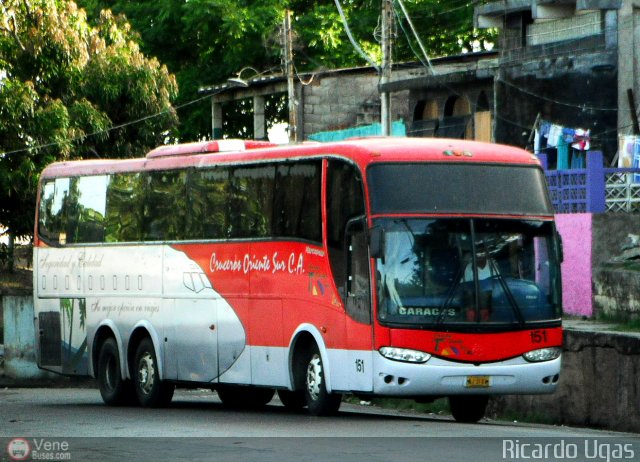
(576,231)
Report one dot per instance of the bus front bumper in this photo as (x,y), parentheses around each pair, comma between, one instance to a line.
(439,377)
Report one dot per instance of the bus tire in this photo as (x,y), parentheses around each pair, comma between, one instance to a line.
(293,400)
(151,391)
(115,390)
(319,401)
(468,409)
(244,397)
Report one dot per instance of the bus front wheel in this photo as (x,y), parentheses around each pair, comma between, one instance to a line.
(319,400)
(151,391)
(115,390)
(468,409)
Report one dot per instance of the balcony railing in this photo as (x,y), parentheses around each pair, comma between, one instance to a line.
(594,189)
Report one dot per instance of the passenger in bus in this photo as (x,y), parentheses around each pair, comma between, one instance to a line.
(485,268)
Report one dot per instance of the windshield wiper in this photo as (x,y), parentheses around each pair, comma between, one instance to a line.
(512,301)
(450,295)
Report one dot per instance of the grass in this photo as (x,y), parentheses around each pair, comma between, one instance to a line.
(629,265)
(621,325)
(632,325)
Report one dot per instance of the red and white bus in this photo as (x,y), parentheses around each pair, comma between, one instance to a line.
(417,268)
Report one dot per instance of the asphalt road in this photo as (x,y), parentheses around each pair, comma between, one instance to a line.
(73,424)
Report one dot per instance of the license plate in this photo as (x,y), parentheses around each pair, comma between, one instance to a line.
(477,381)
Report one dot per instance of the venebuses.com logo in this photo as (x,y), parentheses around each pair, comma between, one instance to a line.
(18,449)
(38,449)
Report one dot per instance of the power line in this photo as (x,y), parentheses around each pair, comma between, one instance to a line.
(415,34)
(463,4)
(406,34)
(352,40)
(584,107)
(117,127)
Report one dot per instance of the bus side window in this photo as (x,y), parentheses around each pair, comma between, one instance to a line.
(251,201)
(345,200)
(54,210)
(208,215)
(46,226)
(87,219)
(124,209)
(164,207)
(297,203)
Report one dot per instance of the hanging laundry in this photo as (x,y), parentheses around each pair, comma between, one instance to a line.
(581,140)
(555,132)
(563,154)
(544,128)
(568,134)
(578,159)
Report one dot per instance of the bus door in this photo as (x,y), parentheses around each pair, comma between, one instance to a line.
(346,243)
(358,305)
(62,311)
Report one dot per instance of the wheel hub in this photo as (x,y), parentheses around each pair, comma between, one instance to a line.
(314,377)
(146,373)
(110,374)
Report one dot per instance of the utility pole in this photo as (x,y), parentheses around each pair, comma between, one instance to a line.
(387,46)
(287,45)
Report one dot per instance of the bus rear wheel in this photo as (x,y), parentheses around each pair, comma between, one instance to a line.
(468,409)
(115,390)
(244,397)
(151,391)
(319,400)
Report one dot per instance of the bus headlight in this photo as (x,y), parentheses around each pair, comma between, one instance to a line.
(543,354)
(404,355)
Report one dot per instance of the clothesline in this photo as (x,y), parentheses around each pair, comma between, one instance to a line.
(550,136)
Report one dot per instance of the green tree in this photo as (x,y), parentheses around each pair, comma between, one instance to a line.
(206,41)
(70,90)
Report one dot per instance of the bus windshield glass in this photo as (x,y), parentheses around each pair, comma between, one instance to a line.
(458,188)
(462,271)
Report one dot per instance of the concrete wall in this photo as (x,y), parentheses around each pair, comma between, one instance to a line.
(598,386)
(590,286)
(576,232)
(617,293)
(616,289)
(609,232)
(344,100)
(19,339)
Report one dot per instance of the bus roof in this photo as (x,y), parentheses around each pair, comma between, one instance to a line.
(363,151)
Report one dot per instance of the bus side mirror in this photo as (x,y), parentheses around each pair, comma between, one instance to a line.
(376,242)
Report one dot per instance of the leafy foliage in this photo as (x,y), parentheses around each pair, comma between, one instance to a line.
(206,41)
(69,90)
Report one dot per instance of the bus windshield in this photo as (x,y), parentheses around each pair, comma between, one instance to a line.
(444,272)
